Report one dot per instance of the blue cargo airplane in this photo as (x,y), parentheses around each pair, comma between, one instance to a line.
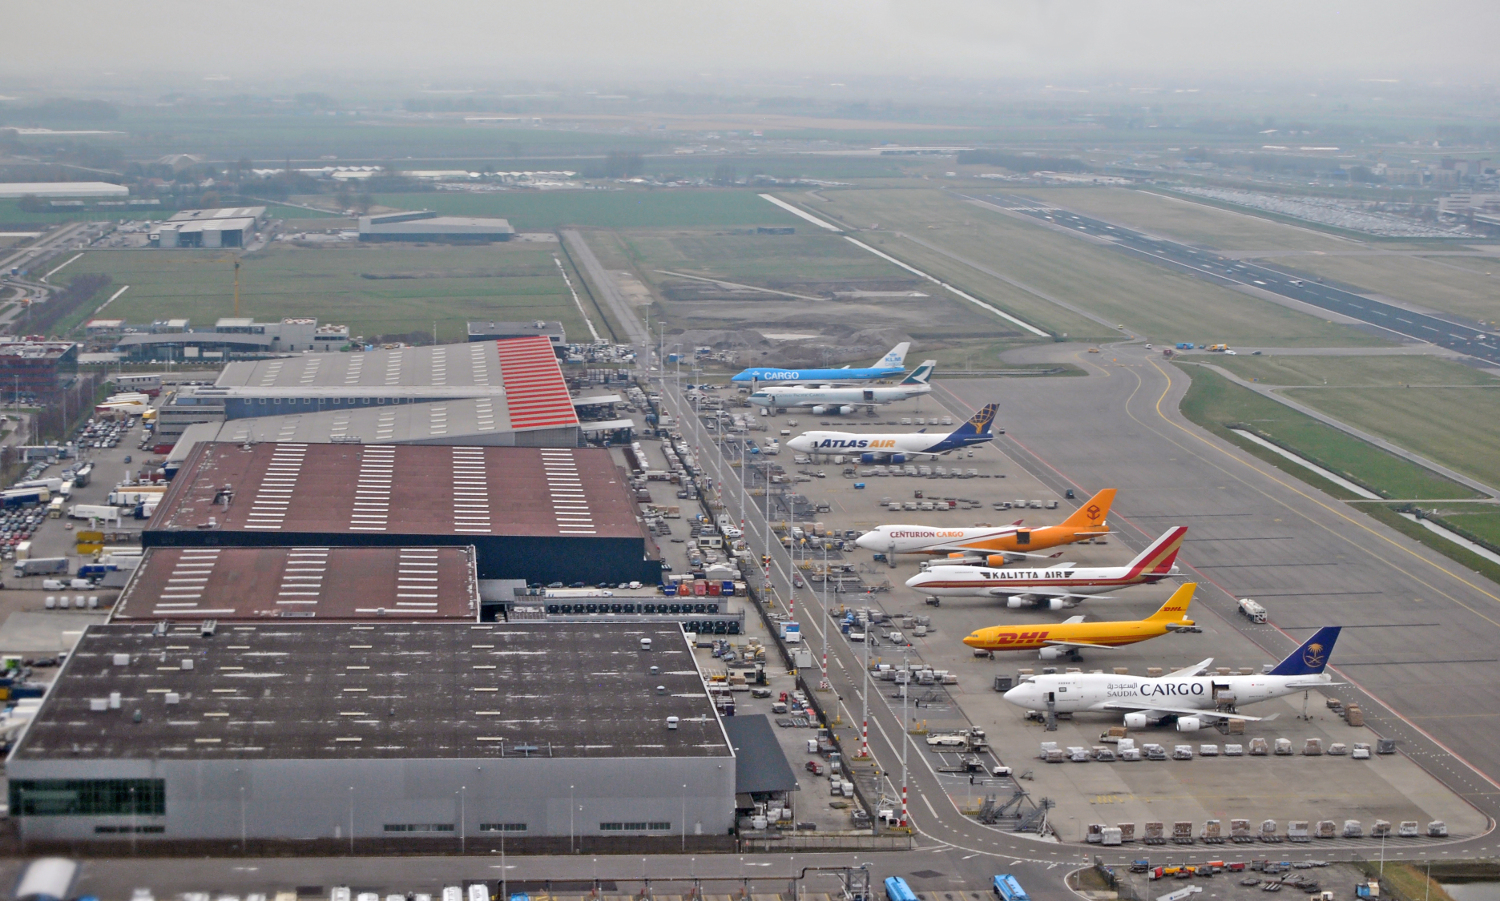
(893,363)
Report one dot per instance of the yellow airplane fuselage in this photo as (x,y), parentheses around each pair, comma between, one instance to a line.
(1031,638)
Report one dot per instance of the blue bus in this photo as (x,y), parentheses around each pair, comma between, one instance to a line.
(896,889)
(1008,889)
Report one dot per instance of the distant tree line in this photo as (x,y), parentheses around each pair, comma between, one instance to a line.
(58,417)
(41,318)
(61,111)
(618,164)
(1017,162)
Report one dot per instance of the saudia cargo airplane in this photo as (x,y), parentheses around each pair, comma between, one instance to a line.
(873,448)
(827,399)
(893,363)
(1190,699)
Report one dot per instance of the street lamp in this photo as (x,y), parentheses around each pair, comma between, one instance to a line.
(684,816)
(351,819)
(570,819)
(463,821)
(905,735)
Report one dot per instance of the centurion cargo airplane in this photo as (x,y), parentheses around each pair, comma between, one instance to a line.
(994,545)
(874,448)
(1055,587)
(828,399)
(1066,639)
(1190,699)
(893,363)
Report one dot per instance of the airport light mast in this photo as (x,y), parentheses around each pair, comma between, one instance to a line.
(823,627)
(864,728)
(905,682)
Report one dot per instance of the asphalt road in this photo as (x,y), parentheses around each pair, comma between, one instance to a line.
(1280,280)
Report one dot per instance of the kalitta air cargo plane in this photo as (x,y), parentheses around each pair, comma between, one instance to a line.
(1054,587)
(1068,638)
(992,545)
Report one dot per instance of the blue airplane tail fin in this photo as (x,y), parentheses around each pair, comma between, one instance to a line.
(1312,657)
(921,374)
(979,424)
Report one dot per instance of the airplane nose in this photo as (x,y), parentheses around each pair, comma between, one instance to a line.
(867,541)
(1017,695)
(917,581)
(975,640)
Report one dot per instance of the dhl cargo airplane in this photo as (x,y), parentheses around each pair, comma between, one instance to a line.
(1068,638)
(1054,587)
(976,545)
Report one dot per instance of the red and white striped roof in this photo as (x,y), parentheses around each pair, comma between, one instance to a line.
(535,394)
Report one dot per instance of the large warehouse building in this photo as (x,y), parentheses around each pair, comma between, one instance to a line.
(323,583)
(428,226)
(308,731)
(509,392)
(539,514)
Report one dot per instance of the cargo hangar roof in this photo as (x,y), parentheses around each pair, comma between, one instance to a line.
(303,691)
(324,583)
(523,373)
(289,490)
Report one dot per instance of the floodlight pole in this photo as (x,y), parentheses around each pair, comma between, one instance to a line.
(905,736)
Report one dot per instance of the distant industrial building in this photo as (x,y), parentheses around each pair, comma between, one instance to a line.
(309,731)
(538,514)
(36,367)
(227,227)
(70,189)
(429,226)
(175,339)
(536,328)
(328,584)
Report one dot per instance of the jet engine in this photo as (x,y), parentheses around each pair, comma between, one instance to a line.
(1014,602)
(1057,604)
(1053,653)
(1135,721)
(1189,724)
(843,410)
(898,458)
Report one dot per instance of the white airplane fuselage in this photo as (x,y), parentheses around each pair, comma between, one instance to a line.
(790,396)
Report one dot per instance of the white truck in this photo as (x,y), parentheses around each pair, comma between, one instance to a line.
(101,512)
(1255,612)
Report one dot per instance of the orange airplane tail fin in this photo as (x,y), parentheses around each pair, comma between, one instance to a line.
(1176,606)
(1093,512)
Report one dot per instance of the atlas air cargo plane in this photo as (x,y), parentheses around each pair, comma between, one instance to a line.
(994,545)
(827,399)
(1055,587)
(893,363)
(1068,638)
(874,448)
(1184,696)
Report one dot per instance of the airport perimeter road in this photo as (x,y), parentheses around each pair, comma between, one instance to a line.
(1420,638)
(635,329)
(928,869)
(1254,532)
(1281,282)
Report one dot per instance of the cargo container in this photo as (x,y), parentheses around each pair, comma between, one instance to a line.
(100,512)
(41,566)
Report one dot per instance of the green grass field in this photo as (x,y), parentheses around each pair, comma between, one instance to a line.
(1340,371)
(1150,301)
(446,284)
(541,210)
(1184,220)
(1213,401)
(759,259)
(1483,521)
(1457,427)
(1430,282)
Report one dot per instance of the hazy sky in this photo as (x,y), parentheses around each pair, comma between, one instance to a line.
(642,39)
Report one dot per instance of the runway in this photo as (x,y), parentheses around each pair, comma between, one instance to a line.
(1283,282)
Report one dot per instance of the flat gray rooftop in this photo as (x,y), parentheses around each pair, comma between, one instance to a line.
(350,691)
(453,365)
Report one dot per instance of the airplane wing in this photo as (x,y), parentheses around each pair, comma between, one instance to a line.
(1131,707)
(1040,594)
(1190,670)
(1072,620)
(1080,644)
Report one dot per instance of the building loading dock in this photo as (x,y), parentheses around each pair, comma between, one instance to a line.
(303,730)
(539,514)
(324,583)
